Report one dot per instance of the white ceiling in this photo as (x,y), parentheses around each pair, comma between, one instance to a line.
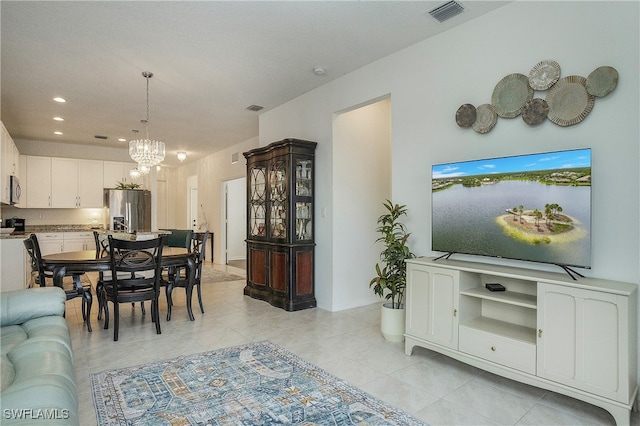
(210,59)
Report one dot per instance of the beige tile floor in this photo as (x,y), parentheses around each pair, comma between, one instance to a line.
(348,344)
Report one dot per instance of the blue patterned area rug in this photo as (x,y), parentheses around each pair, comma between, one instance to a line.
(256,384)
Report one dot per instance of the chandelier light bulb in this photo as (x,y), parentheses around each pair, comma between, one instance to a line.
(182,156)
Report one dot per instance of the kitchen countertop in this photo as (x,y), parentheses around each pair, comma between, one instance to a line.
(35,229)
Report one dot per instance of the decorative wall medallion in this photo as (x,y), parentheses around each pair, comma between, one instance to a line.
(466,115)
(510,95)
(544,75)
(535,111)
(486,118)
(569,102)
(602,81)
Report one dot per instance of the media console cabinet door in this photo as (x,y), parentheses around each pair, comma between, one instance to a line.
(582,340)
(432,304)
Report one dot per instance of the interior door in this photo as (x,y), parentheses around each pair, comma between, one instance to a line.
(192,207)
(235,219)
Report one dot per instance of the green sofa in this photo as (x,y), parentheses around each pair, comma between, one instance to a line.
(38,384)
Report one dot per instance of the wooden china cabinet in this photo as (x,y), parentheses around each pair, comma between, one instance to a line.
(280,241)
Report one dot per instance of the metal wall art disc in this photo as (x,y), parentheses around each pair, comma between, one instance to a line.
(486,118)
(569,102)
(466,115)
(535,111)
(602,81)
(510,95)
(544,75)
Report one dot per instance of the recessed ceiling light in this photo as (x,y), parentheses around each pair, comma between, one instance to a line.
(59,99)
(58,118)
(122,140)
(57,133)
(319,71)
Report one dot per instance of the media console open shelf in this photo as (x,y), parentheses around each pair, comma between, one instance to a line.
(577,338)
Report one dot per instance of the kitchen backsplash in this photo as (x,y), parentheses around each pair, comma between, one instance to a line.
(41,217)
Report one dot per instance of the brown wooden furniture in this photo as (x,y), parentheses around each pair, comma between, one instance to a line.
(86,260)
(136,269)
(75,284)
(280,239)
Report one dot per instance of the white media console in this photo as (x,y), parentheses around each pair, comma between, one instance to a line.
(577,338)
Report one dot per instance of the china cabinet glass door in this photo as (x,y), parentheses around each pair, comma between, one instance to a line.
(257,201)
(304,195)
(278,199)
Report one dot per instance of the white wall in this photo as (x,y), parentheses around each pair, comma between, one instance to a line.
(430,80)
(362,171)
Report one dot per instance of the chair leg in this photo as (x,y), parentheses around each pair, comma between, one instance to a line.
(116,320)
(89,301)
(168,289)
(105,306)
(200,298)
(99,288)
(156,311)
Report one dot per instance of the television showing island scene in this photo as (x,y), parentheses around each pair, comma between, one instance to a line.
(534,207)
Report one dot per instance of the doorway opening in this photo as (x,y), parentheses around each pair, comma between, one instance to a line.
(234,222)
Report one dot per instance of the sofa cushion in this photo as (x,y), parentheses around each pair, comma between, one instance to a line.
(7,373)
(11,337)
(18,307)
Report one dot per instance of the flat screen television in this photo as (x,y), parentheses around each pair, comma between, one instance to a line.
(534,207)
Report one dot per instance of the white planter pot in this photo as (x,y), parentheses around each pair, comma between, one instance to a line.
(392,323)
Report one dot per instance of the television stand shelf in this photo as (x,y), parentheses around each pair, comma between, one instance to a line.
(545,329)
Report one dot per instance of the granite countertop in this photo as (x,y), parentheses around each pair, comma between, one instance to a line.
(34,229)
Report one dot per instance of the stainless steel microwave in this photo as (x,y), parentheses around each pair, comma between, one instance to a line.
(15,191)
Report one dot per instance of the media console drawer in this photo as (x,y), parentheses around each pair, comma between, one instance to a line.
(503,350)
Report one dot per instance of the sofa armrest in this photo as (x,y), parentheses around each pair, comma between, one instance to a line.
(17,307)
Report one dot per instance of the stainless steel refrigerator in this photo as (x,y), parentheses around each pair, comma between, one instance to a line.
(129,210)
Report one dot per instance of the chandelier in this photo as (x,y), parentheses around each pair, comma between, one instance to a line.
(146,152)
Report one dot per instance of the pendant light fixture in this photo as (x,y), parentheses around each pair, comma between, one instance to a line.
(146,152)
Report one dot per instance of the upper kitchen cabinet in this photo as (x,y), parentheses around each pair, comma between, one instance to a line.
(76,183)
(116,173)
(38,182)
(10,164)
(64,183)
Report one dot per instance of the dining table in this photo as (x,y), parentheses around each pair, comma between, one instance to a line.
(66,263)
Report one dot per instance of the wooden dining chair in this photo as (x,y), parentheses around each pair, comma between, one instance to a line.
(74,284)
(179,276)
(135,277)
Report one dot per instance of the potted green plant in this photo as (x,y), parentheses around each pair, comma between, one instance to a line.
(391,273)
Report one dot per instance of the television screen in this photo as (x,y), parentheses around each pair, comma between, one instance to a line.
(534,207)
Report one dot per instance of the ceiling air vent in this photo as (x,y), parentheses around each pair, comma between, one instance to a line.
(446,11)
(254,107)
(100,137)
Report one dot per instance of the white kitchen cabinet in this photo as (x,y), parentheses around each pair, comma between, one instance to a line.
(574,337)
(90,183)
(12,265)
(50,242)
(118,172)
(76,183)
(432,304)
(9,165)
(77,241)
(38,182)
(63,183)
